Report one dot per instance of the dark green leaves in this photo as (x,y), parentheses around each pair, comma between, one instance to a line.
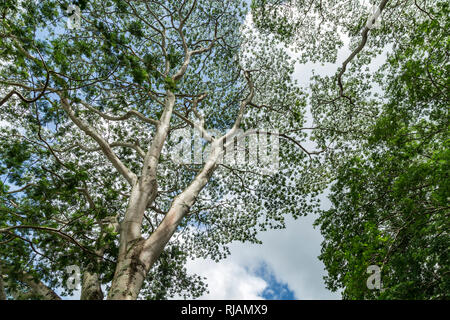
(390,203)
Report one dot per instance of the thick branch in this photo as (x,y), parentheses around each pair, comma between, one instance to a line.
(38,287)
(243,107)
(105,147)
(180,207)
(51,230)
(124,117)
(363,42)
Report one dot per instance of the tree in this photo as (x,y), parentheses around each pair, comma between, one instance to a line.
(390,202)
(390,194)
(98,117)
(87,158)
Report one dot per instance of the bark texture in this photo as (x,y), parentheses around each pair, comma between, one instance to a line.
(91,289)
(2,288)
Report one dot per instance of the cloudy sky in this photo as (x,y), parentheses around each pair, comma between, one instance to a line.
(285,266)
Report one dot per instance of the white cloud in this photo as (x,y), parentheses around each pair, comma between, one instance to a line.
(291,254)
(228,280)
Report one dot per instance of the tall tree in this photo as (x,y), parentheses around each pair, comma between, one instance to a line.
(87,158)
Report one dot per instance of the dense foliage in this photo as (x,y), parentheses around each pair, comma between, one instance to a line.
(91,127)
(391,202)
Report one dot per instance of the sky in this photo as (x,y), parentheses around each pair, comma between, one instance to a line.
(286,265)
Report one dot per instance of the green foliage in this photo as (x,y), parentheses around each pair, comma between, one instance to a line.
(120,60)
(390,203)
(170,84)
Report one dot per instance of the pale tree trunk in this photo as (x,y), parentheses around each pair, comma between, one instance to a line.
(140,257)
(136,254)
(130,270)
(130,274)
(90,288)
(142,254)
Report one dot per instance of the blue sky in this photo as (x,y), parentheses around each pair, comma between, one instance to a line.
(275,289)
(285,266)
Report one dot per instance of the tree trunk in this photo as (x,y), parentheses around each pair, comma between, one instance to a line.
(2,288)
(130,274)
(91,289)
(142,254)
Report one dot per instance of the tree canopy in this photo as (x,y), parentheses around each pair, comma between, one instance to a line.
(93,114)
(138,139)
(390,203)
(390,194)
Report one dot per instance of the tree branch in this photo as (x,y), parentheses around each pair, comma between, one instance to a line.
(124,117)
(52,230)
(105,147)
(47,79)
(363,42)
